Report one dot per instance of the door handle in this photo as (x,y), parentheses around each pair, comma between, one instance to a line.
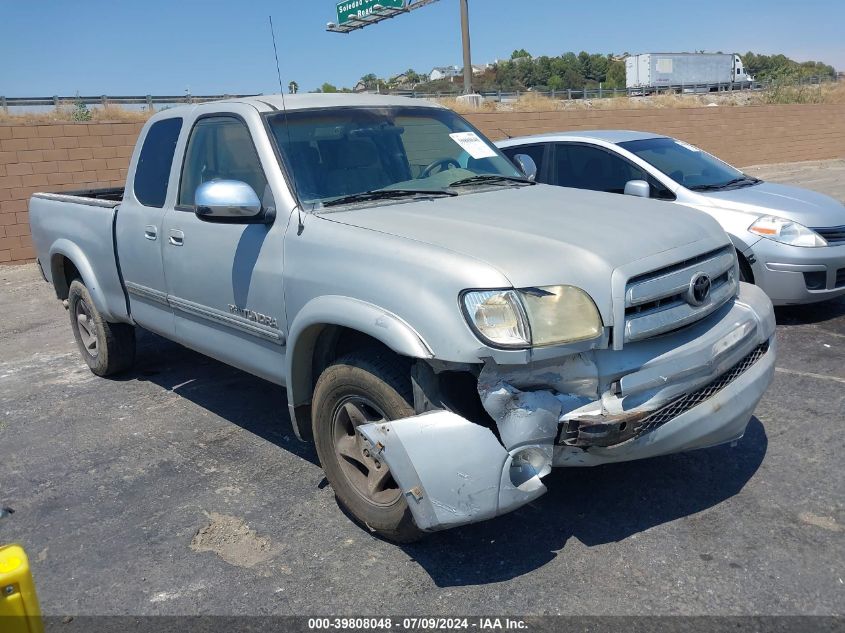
(151,232)
(177,237)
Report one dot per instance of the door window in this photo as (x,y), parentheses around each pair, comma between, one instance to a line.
(152,173)
(586,167)
(220,148)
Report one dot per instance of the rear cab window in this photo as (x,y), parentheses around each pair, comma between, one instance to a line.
(152,173)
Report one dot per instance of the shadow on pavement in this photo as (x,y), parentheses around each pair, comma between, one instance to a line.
(810,313)
(255,405)
(597,505)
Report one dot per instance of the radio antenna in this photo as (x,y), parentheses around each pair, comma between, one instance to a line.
(301,226)
(276,53)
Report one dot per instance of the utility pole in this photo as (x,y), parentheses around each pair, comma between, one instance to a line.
(467,53)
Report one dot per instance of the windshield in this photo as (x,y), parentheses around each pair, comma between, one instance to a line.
(345,155)
(686,164)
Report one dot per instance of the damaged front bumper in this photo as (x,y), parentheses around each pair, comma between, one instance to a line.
(453,471)
(694,388)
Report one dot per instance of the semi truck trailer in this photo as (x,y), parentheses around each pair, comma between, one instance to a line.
(686,71)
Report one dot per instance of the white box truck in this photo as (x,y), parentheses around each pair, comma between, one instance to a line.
(685,71)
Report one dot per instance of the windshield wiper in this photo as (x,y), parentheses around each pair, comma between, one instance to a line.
(386,194)
(724,185)
(491,178)
(749,180)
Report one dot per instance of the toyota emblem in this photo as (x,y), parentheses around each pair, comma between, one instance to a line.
(699,289)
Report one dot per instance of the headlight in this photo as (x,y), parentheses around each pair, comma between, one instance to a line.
(497,315)
(786,231)
(533,316)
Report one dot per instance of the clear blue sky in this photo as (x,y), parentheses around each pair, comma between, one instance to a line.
(215,46)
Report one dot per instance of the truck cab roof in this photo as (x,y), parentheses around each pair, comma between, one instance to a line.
(278,102)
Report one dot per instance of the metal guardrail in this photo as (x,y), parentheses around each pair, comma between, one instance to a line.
(565,94)
(569,94)
(106,100)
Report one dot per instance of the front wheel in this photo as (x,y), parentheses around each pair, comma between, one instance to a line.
(359,389)
(107,348)
(745,272)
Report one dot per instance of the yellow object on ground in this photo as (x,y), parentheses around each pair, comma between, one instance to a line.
(19,612)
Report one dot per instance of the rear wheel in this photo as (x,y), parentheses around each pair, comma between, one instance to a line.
(362,388)
(107,348)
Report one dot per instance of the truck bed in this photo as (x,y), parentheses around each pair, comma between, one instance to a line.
(78,227)
(95,197)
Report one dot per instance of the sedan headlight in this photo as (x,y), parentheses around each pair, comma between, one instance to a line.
(532,316)
(786,231)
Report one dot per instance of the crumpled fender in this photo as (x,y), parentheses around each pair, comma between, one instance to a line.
(453,471)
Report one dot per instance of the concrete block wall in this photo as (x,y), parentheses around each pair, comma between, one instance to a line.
(72,156)
(55,157)
(743,136)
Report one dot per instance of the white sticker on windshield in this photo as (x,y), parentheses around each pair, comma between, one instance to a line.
(473,145)
(691,148)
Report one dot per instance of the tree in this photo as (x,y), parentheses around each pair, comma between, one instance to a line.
(555,82)
(369,80)
(293,87)
(327,87)
(780,67)
(520,53)
(598,67)
(585,65)
(80,111)
(615,77)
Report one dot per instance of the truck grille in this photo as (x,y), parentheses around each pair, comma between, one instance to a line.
(687,402)
(833,234)
(657,302)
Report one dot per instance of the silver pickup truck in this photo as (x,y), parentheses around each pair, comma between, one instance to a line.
(447,330)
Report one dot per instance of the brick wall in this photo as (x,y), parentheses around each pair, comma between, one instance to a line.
(740,135)
(62,157)
(55,157)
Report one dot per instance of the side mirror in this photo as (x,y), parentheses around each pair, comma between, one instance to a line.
(527,165)
(639,188)
(224,200)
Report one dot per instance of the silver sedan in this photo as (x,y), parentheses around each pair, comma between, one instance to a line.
(790,241)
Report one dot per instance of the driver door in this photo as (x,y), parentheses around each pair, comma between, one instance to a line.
(583,166)
(224,278)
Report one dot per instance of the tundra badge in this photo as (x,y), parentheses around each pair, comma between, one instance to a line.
(263,319)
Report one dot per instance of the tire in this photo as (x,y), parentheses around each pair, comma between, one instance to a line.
(359,388)
(108,348)
(745,273)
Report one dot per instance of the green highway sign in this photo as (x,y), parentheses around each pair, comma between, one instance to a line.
(351,9)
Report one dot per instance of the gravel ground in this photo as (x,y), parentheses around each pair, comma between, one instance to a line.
(180,489)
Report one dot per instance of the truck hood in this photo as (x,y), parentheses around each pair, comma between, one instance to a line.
(806,207)
(542,235)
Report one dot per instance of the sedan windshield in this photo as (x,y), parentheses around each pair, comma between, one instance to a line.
(361,155)
(688,165)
